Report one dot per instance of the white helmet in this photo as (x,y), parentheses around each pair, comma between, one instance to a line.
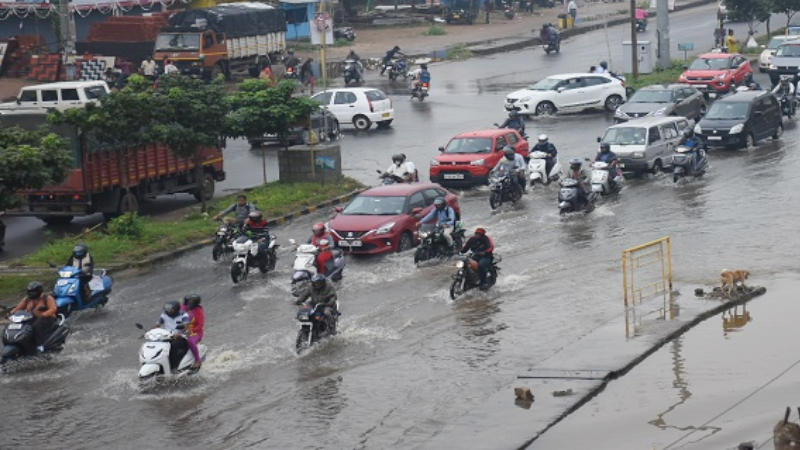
(542,138)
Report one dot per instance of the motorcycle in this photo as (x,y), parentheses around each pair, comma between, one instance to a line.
(569,200)
(344,33)
(390,178)
(433,245)
(305,266)
(313,325)
(641,25)
(420,91)
(247,256)
(504,188)
(18,337)
(166,355)
(468,276)
(398,68)
(351,72)
(601,183)
(223,240)
(537,168)
(70,297)
(553,45)
(292,73)
(682,163)
(788,105)
(508,10)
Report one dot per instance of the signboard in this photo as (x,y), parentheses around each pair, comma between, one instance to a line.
(322,23)
(687,47)
(325,162)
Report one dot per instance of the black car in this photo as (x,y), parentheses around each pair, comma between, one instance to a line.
(323,122)
(659,100)
(741,119)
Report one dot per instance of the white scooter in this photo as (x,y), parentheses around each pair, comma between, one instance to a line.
(305,266)
(600,179)
(157,362)
(537,169)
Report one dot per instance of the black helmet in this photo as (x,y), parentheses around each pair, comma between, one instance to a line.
(423,66)
(398,157)
(439,203)
(604,65)
(191,301)
(318,281)
(509,152)
(605,147)
(396,48)
(575,163)
(172,308)
(35,289)
(255,215)
(513,114)
(80,250)
(687,133)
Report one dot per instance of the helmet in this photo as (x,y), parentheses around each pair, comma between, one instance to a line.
(480,231)
(513,114)
(509,152)
(439,203)
(191,301)
(604,65)
(290,52)
(543,138)
(398,157)
(80,250)
(35,289)
(172,308)
(318,281)
(605,148)
(575,163)
(423,66)
(687,133)
(318,228)
(255,215)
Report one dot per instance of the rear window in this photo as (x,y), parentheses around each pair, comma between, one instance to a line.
(94,92)
(374,96)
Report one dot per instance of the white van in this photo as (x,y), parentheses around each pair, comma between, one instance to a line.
(646,144)
(65,95)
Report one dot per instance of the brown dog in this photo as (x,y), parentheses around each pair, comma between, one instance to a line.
(730,279)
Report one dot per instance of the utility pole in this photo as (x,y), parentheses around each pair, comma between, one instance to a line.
(662,24)
(67,24)
(634,42)
(323,43)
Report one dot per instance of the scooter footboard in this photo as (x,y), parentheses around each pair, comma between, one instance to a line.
(11,351)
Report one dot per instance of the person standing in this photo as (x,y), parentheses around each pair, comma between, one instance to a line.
(148,68)
(307,76)
(572,9)
(731,43)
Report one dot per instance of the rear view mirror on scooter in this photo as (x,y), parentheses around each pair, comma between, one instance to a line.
(139,326)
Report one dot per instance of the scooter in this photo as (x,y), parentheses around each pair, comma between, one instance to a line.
(569,199)
(682,163)
(554,45)
(504,188)
(601,184)
(508,10)
(18,337)
(420,91)
(165,355)
(313,325)
(247,256)
(305,266)
(537,168)
(291,73)
(468,276)
(70,297)
(390,178)
(788,105)
(433,245)
(641,25)
(351,72)
(344,33)
(223,240)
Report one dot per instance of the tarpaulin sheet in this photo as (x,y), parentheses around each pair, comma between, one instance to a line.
(234,19)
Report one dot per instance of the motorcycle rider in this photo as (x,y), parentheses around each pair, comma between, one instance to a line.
(322,290)
(607,156)
(419,76)
(353,56)
(582,175)
(545,146)
(291,61)
(324,255)
(690,141)
(514,122)
(785,90)
(81,259)
(241,208)
(388,58)
(641,14)
(194,330)
(602,68)
(400,168)
(255,227)
(481,247)
(43,307)
(512,163)
(444,215)
(548,34)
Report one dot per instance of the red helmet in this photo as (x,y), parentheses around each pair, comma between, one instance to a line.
(318,228)
(480,231)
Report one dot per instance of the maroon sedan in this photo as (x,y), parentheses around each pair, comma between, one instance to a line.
(382,220)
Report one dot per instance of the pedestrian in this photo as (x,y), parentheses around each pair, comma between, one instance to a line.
(170,67)
(148,68)
(717,37)
(307,75)
(266,74)
(487,6)
(572,8)
(731,43)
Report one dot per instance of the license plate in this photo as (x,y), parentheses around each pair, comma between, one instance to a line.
(385,115)
(15,326)
(454,176)
(622,166)
(701,86)
(715,138)
(355,243)
(456,16)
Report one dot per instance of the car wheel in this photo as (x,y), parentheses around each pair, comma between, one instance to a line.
(778,132)
(613,102)
(335,132)
(405,242)
(361,123)
(750,142)
(545,109)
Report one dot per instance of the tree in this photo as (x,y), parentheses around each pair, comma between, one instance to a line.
(753,11)
(30,160)
(788,7)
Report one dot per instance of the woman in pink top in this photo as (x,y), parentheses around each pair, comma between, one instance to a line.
(194,330)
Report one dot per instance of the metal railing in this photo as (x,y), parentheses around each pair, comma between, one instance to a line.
(647,270)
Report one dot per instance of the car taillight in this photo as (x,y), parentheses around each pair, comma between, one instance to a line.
(424,84)
(371,109)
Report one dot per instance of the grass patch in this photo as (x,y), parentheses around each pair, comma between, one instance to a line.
(12,288)
(459,51)
(659,76)
(435,30)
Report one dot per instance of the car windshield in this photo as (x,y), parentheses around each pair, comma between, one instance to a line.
(548,84)
(368,205)
(775,43)
(469,145)
(648,96)
(189,41)
(710,64)
(792,50)
(625,136)
(728,111)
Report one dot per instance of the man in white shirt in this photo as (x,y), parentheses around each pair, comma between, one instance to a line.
(401,169)
(170,67)
(148,68)
(572,9)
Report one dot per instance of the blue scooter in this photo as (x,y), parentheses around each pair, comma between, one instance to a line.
(69,296)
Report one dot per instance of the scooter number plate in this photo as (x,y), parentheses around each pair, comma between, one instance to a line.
(61,283)
(345,243)
(15,326)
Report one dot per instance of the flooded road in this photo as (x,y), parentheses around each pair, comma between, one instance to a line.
(408,359)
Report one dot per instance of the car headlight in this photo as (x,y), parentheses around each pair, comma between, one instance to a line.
(477,162)
(637,155)
(384,229)
(658,112)
(620,113)
(772,66)
(722,75)
(682,77)
(434,163)
(525,99)
(736,129)
(697,129)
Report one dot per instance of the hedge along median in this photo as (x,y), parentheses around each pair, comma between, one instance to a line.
(132,238)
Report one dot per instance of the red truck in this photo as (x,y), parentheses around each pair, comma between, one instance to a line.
(114,181)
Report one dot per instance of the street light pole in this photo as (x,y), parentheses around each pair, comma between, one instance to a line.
(662,22)
(634,42)
(67,25)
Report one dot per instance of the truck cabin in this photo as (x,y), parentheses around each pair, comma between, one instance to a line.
(193,51)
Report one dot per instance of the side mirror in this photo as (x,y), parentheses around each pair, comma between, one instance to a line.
(416,211)
(292,241)
(338,209)
(139,326)
(560,90)
(19,102)
(599,139)
(441,149)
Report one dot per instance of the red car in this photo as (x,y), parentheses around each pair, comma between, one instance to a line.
(717,73)
(381,219)
(468,157)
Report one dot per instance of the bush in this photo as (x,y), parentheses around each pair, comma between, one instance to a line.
(435,30)
(459,51)
(129,225)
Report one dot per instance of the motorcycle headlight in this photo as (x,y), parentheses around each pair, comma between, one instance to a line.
(620,113)
(460,264)
(736,129)
(223,229)
(697,129)
(658,112)
(637,155)
(302,316)
(423,234)
(385,229)
(434,163)
(477,162)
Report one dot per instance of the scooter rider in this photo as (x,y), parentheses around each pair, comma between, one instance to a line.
(641,14)
(607,156)
(602,68)
(444,215)
(387,60)
(514,122)
(322,290)
(291,61)
(353,56)
(481,247)
(324,255)
(400,168)
(512,163)
(690,141)
(548,34)
(785,89)
(545,146)
(82,260)
(43,307)
(419,76)
(169,320)
(580,174)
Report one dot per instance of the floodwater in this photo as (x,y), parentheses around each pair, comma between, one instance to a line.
(407,359)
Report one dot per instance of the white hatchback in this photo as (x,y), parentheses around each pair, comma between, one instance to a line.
(358,106)
(765,58)
(570,92)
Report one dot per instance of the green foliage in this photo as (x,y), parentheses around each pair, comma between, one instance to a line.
(659,76)
(435,30)
(753,11)
(30,160)
(788,7)
(459,51)
(129,225)
(645,5)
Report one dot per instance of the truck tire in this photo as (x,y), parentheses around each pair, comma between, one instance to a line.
(207,190)
(57,220)
(129,203)
(215,72)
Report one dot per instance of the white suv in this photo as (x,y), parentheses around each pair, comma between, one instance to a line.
(570,92)
(358,106)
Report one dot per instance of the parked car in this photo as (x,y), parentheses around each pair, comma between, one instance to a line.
(360,106)
(646,144)
(460,14)
(381,219)
(741,119)
(570,92)
(323,122)
(765,59)
(785,61)
(660,100)
(468,157)
(61,96)
(717,73)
